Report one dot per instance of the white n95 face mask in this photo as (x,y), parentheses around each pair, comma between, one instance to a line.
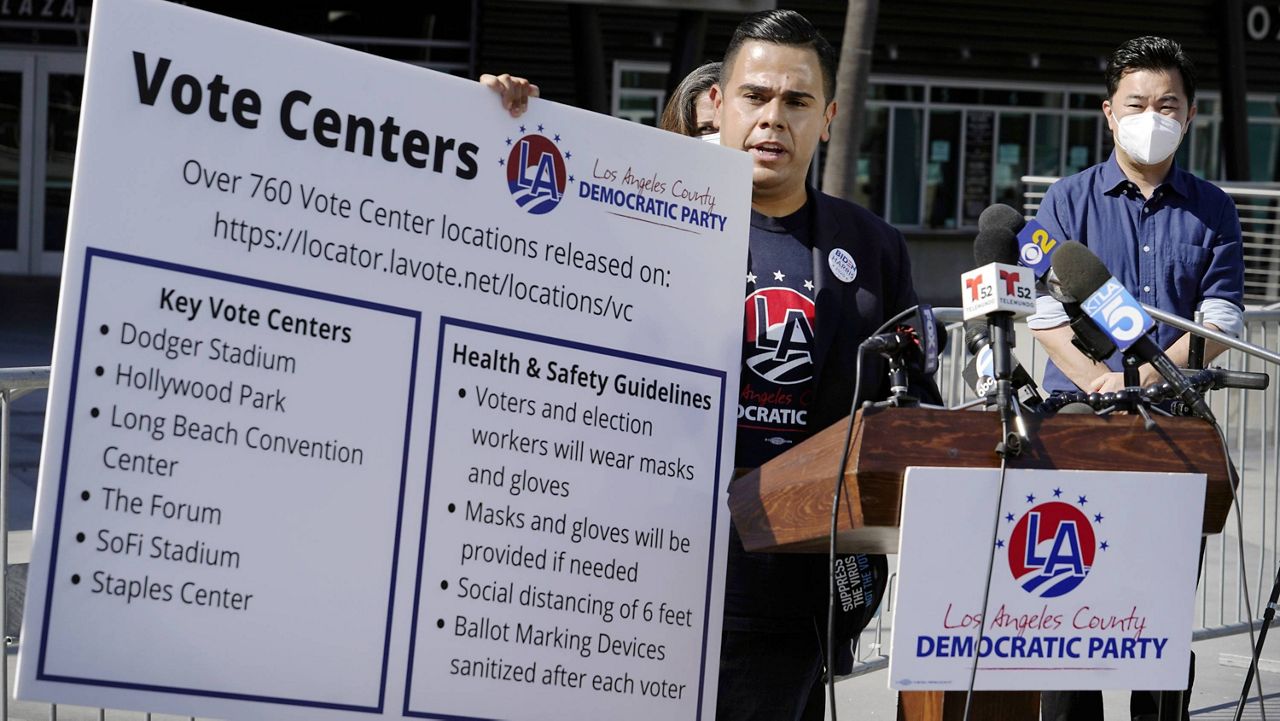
(710,138)
(1149,138)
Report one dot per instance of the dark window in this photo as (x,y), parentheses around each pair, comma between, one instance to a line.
(869,188)
(942,178)
(904,206)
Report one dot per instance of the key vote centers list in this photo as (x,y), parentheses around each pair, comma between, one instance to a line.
(220,434)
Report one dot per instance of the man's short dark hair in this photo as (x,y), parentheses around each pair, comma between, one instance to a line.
(1150,53)
(783,27)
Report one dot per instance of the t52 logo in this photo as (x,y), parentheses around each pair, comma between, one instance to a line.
(536,174)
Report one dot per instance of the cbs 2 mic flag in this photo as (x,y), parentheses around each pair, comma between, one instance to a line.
(1035,247)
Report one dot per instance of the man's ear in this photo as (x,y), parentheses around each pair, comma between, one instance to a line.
(1106,114)
(717,100)
(829,115)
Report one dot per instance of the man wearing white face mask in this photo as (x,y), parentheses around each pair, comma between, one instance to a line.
(1171,238)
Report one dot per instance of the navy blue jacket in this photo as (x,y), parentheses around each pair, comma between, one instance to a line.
(848,313)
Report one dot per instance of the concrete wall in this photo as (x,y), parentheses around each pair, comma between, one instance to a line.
(936,264)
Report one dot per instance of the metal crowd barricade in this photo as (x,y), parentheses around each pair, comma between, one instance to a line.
(14,384)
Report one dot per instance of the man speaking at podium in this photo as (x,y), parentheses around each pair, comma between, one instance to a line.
(823,275)
(1172,239)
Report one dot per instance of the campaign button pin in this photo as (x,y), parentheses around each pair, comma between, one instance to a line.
(842,265)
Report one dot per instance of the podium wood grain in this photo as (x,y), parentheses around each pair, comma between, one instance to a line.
(987,705)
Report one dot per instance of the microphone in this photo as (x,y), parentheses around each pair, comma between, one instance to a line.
(1036,247)
(1035,244)
(1246,380)
(979,372)
(1001,216)
(923,337)
(998,290)
(891,343)
(1119,315)
(930,344)
(1202,380)
(920,341)
(1087,337)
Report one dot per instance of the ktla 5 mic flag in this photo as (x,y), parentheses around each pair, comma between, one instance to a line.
(1093,581)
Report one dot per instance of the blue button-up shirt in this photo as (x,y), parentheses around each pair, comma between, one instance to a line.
(1179,250)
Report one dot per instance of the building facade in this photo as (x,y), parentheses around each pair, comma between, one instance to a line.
(966,96)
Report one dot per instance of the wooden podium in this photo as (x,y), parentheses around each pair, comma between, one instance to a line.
(785,505)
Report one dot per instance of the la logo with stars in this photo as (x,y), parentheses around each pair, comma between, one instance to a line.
(536,170)
(1052,543)
(779,276)
(779,330)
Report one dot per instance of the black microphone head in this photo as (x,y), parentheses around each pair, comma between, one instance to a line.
(976,334)
(1001,216)
(1078,270)
(1054,286)
(996,244)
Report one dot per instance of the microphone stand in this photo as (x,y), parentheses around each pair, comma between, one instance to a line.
(899,397)
(1133,380)
(1131,377)
(1001,329)
(898,381)
(1267,616)
(1199,330)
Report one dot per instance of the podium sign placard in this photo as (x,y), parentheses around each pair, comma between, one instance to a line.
(1093,583)
(369,400)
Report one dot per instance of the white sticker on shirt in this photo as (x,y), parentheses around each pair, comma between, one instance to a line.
(842,265)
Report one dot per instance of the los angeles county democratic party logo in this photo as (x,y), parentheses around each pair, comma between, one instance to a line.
(1052,545)
(536,174)
(779,326)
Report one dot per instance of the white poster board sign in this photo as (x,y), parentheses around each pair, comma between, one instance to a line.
(370,400)
(1093,583)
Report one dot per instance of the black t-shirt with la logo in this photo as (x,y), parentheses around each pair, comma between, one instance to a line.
(777,368)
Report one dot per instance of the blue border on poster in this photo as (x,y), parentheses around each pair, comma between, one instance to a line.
(90,255)
(445,322)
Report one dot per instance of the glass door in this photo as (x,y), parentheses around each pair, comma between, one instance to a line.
(39,118)
(17,89)
(59,86)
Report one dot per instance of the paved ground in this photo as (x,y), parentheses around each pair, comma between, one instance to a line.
(26,336)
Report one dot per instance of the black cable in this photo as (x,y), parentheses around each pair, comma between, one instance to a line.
(835,513)
(986,591)
(892,322)
(1244,582)
(831,550)
(1009,443)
